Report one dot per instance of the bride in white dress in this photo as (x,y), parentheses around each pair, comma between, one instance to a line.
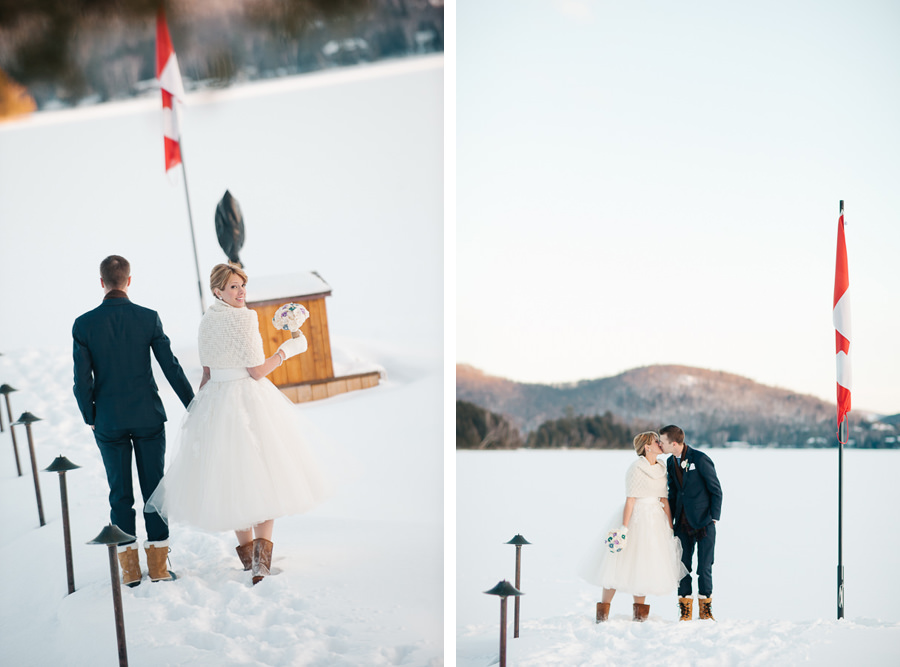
(242,459)
(650,560)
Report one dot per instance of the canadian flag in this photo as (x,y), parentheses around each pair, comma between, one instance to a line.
(841,316)
(172,90)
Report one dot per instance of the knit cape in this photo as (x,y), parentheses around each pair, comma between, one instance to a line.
(644,480)
(229,337)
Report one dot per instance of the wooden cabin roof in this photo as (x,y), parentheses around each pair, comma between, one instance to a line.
(282,288)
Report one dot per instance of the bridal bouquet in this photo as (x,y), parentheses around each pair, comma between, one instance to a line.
(615,539)
(290,317)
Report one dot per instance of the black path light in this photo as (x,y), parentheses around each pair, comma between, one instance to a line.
(112,537)
(28,419)
(61,465)
(518,540)
(503,590)
(6,390)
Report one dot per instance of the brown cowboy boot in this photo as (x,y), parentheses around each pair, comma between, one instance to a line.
(602,612)
(157,555)
(245,553)
(706,608)
(262,559)
(641,612)
(130,564)
(686,606)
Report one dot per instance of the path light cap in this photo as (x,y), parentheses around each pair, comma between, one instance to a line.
(517,540)
(112,535)
(61,464)
(6,389)
(27,418)
(504,589)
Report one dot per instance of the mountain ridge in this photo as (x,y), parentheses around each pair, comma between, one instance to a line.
(714,407)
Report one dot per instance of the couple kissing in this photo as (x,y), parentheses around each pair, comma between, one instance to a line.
(669,513)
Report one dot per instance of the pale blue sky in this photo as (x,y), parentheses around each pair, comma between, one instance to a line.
(658,182)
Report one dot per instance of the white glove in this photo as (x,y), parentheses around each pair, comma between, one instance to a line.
(617,539)
(293,346)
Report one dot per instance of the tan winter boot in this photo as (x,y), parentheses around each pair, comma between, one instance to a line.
(157,555)
(602,612)
(245,553)
(130,564)
(686,606)
(262,559)
(641,612)
(706,608)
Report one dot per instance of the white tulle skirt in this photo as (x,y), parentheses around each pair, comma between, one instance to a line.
(649,565)
(243,457)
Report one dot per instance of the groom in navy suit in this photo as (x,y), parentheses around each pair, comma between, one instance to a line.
(695,498)
(119,400)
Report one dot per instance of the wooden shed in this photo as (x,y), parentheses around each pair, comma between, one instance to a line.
(308,376)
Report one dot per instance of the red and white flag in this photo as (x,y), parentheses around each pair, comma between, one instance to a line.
(841,316)
(172,90)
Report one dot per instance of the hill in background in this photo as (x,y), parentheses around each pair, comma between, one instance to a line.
(713,407)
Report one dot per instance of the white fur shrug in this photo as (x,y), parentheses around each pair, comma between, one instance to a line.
(229,337)
(646,481)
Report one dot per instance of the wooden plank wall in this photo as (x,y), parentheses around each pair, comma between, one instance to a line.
(315,391)
(315,363)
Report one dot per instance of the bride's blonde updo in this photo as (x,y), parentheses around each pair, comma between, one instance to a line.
(221,274)
(641,440)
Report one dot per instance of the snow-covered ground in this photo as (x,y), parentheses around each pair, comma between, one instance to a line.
(775,591)
(339,173)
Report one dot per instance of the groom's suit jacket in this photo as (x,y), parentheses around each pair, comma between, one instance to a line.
(698,493)
(114,383)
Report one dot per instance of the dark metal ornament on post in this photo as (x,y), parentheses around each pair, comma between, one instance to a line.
(230,227)
(112,537)
(6,390)
(28,419)
(519,541)
(503,590)
(61,465)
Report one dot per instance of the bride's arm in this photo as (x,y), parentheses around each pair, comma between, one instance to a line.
(205,377)
(266,367)
(665,504)
(629,508)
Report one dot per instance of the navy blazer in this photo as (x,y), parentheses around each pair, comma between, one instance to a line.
(114,383)
(700,496)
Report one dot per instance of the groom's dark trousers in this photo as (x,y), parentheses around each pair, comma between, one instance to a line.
(118,396)
(706,552)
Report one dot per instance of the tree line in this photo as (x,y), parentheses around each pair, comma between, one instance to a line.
(65,52)
(478,428)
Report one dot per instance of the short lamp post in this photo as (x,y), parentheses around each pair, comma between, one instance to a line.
(112,536)
(62,465)
(6,390)
(28,419)
(518,540)
(503,590)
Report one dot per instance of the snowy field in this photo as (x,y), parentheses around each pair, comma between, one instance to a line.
(774,579)
(337,172)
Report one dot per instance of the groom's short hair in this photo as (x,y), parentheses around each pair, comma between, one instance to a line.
(672,432)
(115,271)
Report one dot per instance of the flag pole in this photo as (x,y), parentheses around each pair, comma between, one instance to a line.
(169,78)
(842,438)
(191,223)
(842,435)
